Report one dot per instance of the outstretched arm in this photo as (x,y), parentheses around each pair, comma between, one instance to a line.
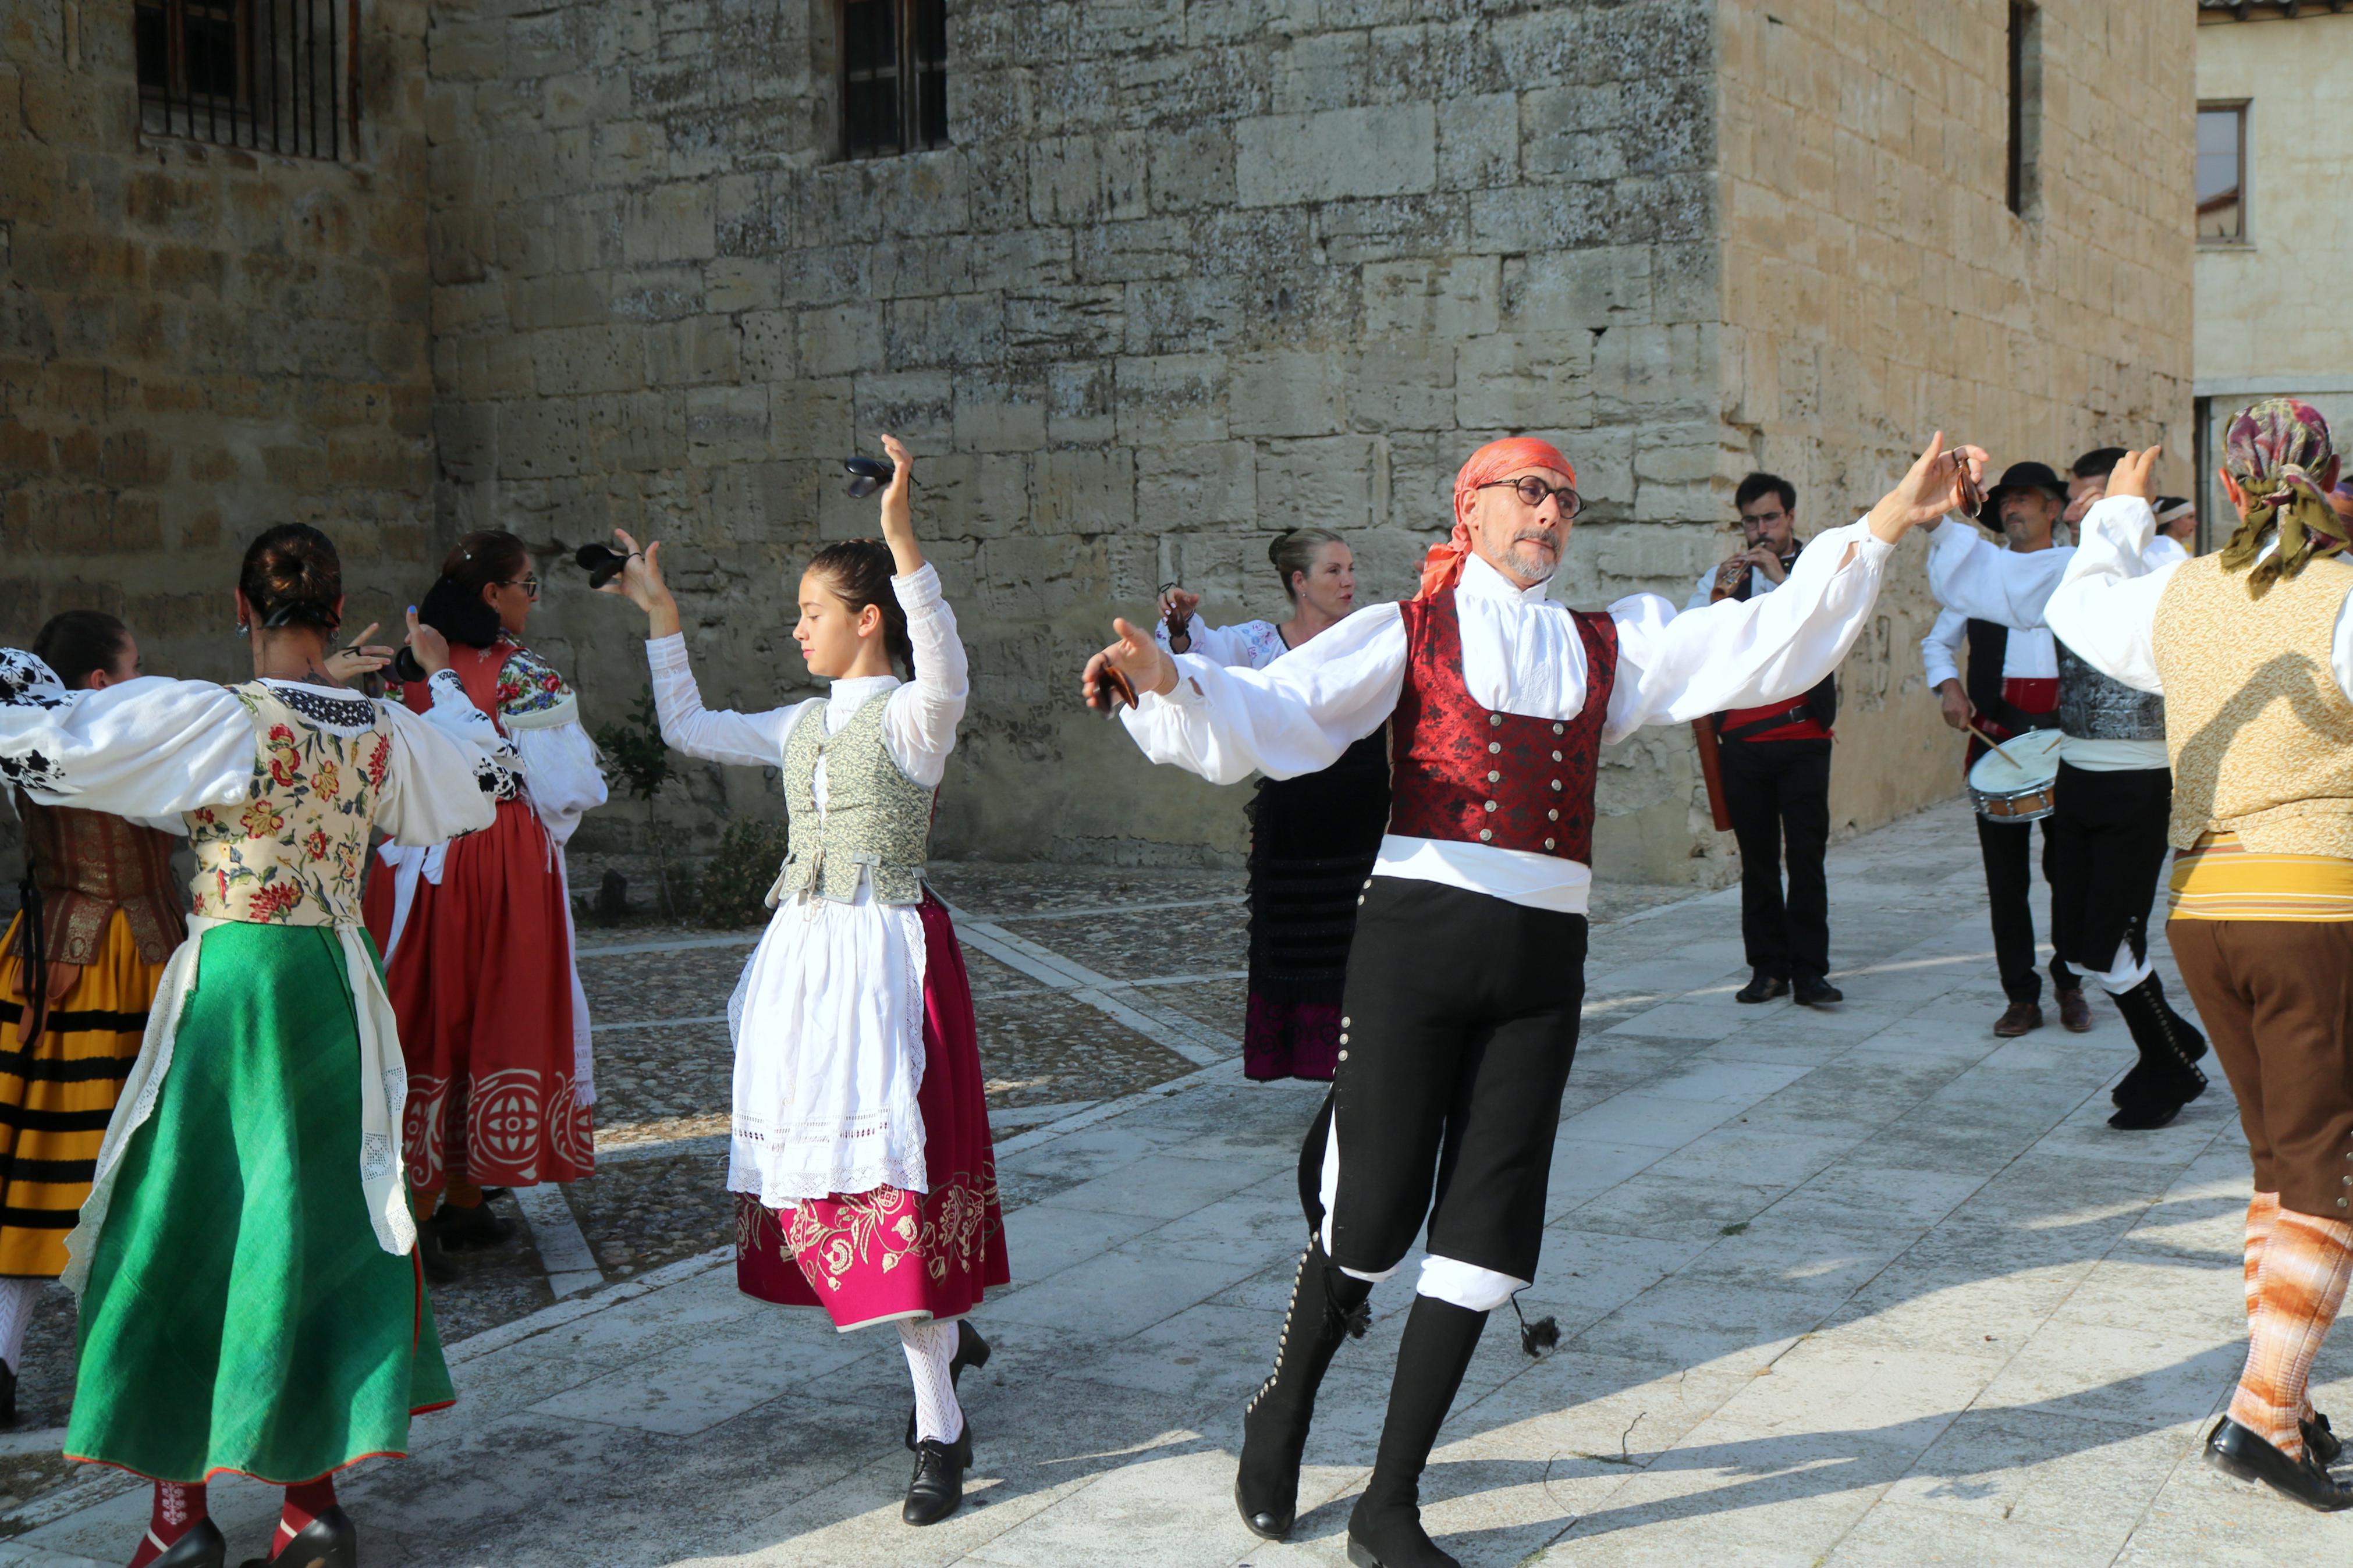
(146,748)
(2105,607)
(1293,717)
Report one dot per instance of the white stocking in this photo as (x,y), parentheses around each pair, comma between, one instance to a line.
(930,1347)
(17,1299)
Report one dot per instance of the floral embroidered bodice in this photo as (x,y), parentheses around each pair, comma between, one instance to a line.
(292,854)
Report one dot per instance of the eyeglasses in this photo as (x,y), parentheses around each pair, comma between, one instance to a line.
(1534,491)
(528,583)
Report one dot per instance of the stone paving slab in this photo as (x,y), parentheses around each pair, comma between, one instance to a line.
(1864,1286)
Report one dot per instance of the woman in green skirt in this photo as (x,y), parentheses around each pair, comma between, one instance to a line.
(250,1295)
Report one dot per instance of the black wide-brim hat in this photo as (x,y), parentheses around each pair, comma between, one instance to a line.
(2025,476)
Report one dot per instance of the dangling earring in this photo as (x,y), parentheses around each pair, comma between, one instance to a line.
(243,631)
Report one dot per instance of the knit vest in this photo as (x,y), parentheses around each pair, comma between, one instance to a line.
(877,822)
(2260,736)
(1460,771)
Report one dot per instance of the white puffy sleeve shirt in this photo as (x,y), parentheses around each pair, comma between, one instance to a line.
(828,1018)
(2106,603)
(1521,655)
(1976,578)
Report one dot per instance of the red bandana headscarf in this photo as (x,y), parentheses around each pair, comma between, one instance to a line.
(1490,462)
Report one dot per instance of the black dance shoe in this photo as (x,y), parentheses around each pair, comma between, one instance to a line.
(7,1397)
(480,1226)
(330,1541)
(971,1351)
(937,1487)
(2236,1451)
(200,1546)
(2320,1440)
(1814,991)
(1393,1538)
(1763,987)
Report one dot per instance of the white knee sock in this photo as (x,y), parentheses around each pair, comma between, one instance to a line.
(17,1299)
(930,1348)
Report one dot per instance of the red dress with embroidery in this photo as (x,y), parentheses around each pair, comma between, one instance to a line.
(481,979)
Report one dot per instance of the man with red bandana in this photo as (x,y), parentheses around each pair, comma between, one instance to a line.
(1465,986)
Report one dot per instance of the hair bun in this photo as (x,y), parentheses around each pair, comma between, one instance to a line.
(293,577)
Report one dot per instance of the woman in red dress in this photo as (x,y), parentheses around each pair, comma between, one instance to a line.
(477,934)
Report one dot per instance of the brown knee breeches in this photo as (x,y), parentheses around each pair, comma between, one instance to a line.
(2277,998)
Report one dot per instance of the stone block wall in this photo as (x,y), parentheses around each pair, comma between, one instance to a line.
(1876,285)
(1190,274)
(196,342)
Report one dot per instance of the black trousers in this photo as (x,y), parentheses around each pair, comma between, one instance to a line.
(2005,846)
(2107,848)
(1459,1022)
(1779,796)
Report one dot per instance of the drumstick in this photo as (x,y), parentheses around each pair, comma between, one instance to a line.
(1990,741)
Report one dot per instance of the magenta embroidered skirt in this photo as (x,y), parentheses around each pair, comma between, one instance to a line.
(873,1256)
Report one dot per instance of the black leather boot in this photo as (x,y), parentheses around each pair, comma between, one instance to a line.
(1385,1531)
(1327,1307)
(201,1546)
(2166,1077)
(937,1488)
(330,1541)
(971,1351)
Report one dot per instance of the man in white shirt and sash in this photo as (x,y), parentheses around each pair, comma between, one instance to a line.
(1464,987)
(2113,799)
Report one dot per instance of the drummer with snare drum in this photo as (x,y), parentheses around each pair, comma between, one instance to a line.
(2102,787)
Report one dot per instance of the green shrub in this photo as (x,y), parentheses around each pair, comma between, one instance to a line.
(737,881)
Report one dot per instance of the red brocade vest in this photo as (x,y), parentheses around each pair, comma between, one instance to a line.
(1464,772)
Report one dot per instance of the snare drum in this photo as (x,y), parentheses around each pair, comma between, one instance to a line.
(2019,790)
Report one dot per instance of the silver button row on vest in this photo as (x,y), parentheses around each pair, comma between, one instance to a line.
(1494,777)
(1496,719)
(1485,834)
(1494,745)
(1491,806)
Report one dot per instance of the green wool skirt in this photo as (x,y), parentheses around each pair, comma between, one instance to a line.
(241,1314)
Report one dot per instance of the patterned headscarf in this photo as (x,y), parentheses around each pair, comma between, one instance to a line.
(1490,462)
(2278,453)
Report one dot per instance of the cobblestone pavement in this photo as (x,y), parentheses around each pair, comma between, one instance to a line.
(1863,1286)
(657,994)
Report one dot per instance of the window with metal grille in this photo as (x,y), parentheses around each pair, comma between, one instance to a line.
(274,76)
(894,76)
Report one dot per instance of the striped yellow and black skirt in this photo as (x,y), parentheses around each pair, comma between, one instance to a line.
(58,1093)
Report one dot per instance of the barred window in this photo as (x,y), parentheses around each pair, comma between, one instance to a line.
(895,81)
(274,76)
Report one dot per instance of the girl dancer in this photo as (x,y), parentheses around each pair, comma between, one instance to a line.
(249,1300)
(861,1159)
(1313,838)
(477,936)
(78,970)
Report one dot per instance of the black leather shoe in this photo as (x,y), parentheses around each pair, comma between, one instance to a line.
(2320,1440)
(2234,1450)
(330,1541)
(200,1547)
(971,1351)
(1764,987)
(480,1226)
(1813,990)
(7,1395)
(937,1486)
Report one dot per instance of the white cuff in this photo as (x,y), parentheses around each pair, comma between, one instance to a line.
(1468,1286)
(665,654)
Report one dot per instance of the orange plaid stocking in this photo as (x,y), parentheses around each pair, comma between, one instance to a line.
(2300,1277)
(2262,1212)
